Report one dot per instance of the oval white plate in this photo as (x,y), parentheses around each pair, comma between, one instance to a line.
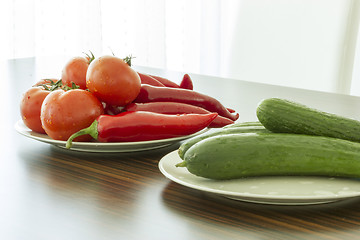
(284,190)
(103,147)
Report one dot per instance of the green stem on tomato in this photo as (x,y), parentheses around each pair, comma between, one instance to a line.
(128,59)
(90,57)
(91,130)
(51,86)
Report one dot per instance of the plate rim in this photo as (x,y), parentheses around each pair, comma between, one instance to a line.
(251,197)
(21,128)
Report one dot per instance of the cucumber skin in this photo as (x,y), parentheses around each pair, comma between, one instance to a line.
(283,116)
(247,155)
(242,124)
(220,131)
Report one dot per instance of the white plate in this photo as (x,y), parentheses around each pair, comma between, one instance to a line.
(282,190)
(103,147)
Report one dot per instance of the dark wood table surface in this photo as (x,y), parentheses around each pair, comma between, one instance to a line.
(50,193)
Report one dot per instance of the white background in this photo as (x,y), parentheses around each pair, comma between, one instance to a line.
(299,43)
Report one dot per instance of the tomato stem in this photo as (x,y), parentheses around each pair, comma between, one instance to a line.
(90,57)
(91,130)
(51,86)
(128,59)
(73,86)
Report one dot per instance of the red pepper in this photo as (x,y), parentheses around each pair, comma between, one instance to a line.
(143,126)
(157,81)
(230,110)
(187,82)
(165,94)
(177,108)
(147,79)
(166,82)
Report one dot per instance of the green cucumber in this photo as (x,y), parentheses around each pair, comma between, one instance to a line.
(283,116)
(219,131)
(251,154)
(243,124)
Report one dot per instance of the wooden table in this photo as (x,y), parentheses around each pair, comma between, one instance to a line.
(50,193)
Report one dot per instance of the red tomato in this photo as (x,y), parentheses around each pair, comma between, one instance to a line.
(30,105)
(113,81)
(74,71)
(64,113)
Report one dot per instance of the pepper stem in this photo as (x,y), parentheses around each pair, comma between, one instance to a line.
(91,130)
(181,164)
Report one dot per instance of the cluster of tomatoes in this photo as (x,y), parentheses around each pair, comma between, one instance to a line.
(62,107)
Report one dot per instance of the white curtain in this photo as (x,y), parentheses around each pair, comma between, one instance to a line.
(173,34)
(299,43)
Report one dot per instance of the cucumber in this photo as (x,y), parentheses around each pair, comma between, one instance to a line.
(251,154)
(220,131)
(243,124)
(283,116)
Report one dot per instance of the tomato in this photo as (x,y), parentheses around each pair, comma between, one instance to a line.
(66,112)
(74,71)
(113,81)
(30,105)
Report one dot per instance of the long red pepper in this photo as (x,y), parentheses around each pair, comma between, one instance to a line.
(147,79)
(177,108)
(143,126)
(165,94)
(166,82)
(157,81)
(187,82)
